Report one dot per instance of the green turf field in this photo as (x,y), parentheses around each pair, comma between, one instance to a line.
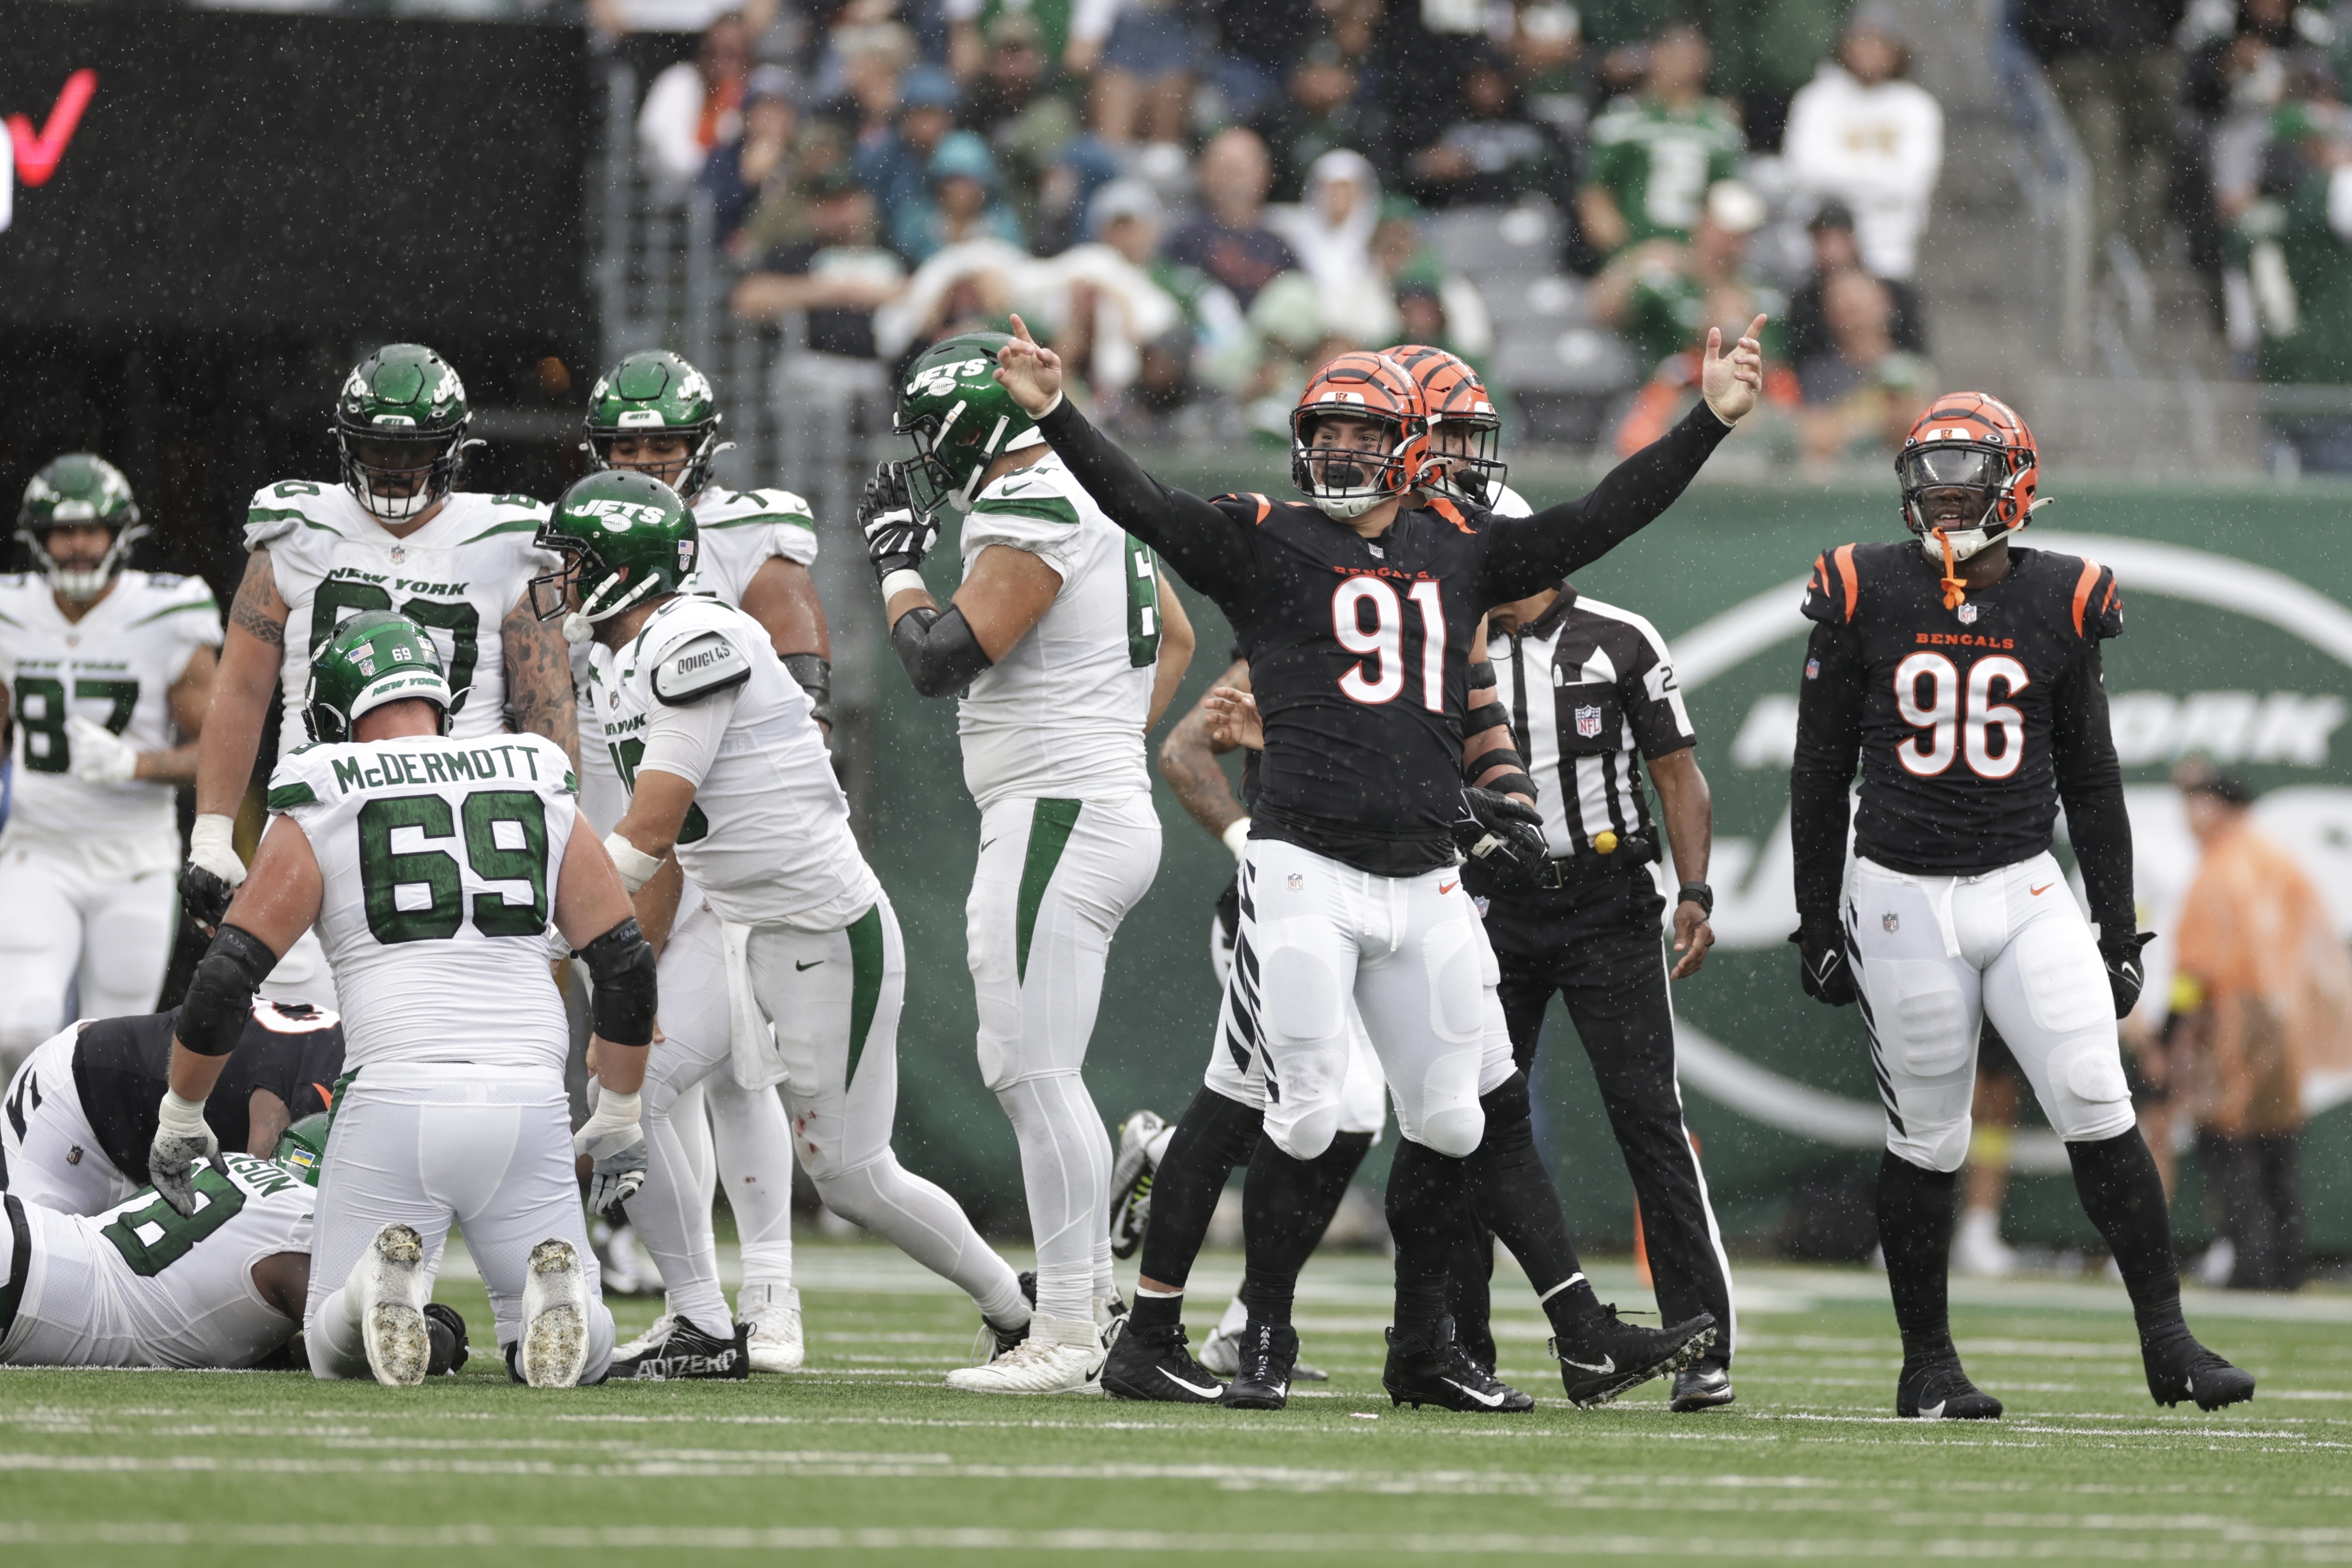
(866,1458)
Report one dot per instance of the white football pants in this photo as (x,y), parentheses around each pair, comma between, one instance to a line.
(1411,956)
(1934,955)
(56,1161)
(1054,879)
(65,919)
(425,1143)
(1238,1072)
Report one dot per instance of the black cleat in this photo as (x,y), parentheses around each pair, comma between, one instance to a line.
(2180,1368)
(1702,1385)
(1423,1371)
(1154,1365)
(445,1331)
(1268,1350)
(1478,1341)
(688,1353)
(1937,1390)
(1607,1355)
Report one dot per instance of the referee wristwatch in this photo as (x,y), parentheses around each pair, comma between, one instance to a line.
(1697,893)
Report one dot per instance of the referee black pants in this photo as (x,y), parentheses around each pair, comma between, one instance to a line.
(1597,945)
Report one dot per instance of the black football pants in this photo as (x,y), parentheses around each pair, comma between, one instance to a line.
(1597,945)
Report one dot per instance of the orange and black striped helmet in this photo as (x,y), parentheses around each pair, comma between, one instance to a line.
(1346,482)
(1970,440)
(1465,433)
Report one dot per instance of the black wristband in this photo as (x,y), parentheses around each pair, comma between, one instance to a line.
(1697,893)
(1482,674)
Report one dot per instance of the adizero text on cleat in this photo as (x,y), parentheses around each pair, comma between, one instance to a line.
(1605,1355)
(447,1331)
(2180,1368)
(1263,1355)
(1435,1370)
(385,1288)
(1702,1385)
(554,1350)
(1154,1365)
(688,1354)
(1130,1182)
(1938,1390)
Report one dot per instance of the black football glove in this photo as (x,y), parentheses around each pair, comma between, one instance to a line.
(1501,839)
(1229,909)
(2126,973)
(1822,965)
(204,894)
(896,539)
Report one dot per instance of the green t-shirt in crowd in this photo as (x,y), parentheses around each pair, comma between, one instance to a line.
(2318,269)
(1658,163)
(1666,312)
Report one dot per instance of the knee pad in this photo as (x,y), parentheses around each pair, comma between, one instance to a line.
(1921,1017)
(1938,1146)
(1306,1135)
(1455,1132)
(2089,1099)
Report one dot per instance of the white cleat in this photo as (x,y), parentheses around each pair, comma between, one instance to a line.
(389,1286)
(652,1339)
(773,1314)
(554,1317)
(1221,1352)
(1977,1250)
(1060,1356)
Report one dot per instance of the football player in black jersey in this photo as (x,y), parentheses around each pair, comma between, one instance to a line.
(1359,611)
(1964,676)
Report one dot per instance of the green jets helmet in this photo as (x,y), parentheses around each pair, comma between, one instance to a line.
(303,1145)
(400,426)
(80,487)
(958,418)
(374,658)
(657,394)
(624,538)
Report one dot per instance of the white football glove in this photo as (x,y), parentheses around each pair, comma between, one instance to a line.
(99,756)
(615,1145)
(182,1139)
(213,871)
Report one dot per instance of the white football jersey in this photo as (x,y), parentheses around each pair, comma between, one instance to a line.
(142,1284)
(115,666)
(1062,714)
(440,859)
(457,576)
(768,838)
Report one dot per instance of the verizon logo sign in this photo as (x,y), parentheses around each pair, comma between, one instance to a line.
(32,156)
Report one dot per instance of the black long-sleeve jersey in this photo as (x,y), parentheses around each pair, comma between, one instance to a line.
(1971,724)
(121,1067)
(1359,649)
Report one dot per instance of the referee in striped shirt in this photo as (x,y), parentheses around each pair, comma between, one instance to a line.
(1589,690)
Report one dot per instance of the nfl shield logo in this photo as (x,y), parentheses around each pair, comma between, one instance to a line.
(1297,882)
(1891,923)
(1588,722)
(1968,614)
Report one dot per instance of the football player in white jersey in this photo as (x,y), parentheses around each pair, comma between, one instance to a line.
(437,871)
(727,771)
(395,534)
(1065,646)
(653,414)
(110,676)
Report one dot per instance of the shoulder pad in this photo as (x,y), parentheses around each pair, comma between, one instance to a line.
(701,665)
(303,778)
(2096,605)
(279,510)
(742,507)
(1247,507)
(554,772)
(1834,590)
(1037,501)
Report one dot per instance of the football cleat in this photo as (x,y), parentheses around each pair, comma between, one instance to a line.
(1702,1385)
(1110,1317)
(1437,1371)
(1057,1356)
(1153,1364)
(772,1315)
(1266,1353)
(1607,1355)
(1130,1182)
(660,1331)
(2180,1368)
(386,1288)
(447,1330)
(555,1301)
(1221,1352)
(688,1353)
(991,1341)
(1937,1390)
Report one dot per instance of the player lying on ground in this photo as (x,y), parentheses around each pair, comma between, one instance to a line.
(80,1113)
(1349,886)
(1964,676)
(437,872)
(728,772)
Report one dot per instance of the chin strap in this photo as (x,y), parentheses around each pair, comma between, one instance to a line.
(1955,592)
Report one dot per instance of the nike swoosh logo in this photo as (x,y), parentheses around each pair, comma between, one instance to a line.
(2038,891)
(811,964)
(1608,1365)
(984,843)
(1206,1391)
(1447,886)
(1932,1412)
(1489,1400)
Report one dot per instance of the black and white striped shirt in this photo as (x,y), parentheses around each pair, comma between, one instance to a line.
(1589,685)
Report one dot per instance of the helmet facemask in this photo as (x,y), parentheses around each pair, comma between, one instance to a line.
(1465,461)
(688,476)
(1977,475)
(80,584)
(399,492)
(1344,482)
(604,591)
(950,463)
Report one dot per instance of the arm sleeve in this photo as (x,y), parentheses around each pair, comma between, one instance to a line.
(2091,786)
(1530,554)
(1829,743)
(1205,547)
(684,740)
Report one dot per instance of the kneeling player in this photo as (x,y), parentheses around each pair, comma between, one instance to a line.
(1968,685)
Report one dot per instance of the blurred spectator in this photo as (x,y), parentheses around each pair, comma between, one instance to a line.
(1257,42)
(1318,114)
(2112,64)
(873,55)
(1330,231)
(1227,238)
(738,171)
(2295,246)
(1546,46)
(1835,251)
(1860,133)
(1427,291)
(2256,943)
(1653,157)
(1010,105)
(837,275)
(1861,395)
(1494,154)
(896,164)
(785,208)
(962,205)
(1142,55)
(696,105)
(1127,215)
